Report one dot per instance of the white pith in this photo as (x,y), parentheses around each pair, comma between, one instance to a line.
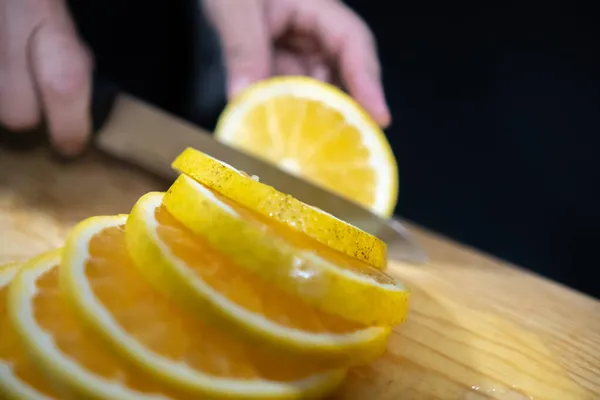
(312,257)
(8,380)
(43,344)
(257,321)
(177,372)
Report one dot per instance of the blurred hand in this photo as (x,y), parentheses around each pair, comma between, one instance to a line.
(45,71)
(323,39)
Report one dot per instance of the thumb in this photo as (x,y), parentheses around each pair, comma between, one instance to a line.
(242,28)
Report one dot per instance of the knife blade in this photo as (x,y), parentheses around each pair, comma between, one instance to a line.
(141,134)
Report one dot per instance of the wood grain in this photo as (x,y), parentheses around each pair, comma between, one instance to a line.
(478,328)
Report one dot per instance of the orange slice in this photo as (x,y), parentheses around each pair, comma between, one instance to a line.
(329,280)
(314,130)
(174,346)
(264,199)
(72,356)
(19,377)
(203,279)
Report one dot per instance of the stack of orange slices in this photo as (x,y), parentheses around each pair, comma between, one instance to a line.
(220,288)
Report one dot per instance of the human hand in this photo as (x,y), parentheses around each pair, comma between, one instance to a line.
(323,39)
(45,71)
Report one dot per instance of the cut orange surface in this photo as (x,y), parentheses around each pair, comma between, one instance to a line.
(326,279)
(77,361)
(176,347)
(188,269)
(20,379)
(314,130)
(248,191)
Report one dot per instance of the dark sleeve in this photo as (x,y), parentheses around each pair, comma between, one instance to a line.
(162,51)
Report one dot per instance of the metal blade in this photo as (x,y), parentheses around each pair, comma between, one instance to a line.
(150,138)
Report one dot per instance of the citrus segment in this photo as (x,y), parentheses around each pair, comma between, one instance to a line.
(104,285)
(19,378)
(264,199)
(70,354)
(313,130)
(191,271)
(332,282)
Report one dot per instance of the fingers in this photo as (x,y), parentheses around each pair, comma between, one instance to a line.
(290,63)
(19,106)
(320,70)
(351,47)
(357,61)
(44,69)
(297,54)
(244,37)
(62,69)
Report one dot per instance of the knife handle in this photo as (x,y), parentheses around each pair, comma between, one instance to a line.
(104,94)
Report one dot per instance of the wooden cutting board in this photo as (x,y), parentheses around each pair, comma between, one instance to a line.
(478,328)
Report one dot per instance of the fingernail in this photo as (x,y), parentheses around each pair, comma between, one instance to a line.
(385,118)
(320,72)
(237,86)
(381,112)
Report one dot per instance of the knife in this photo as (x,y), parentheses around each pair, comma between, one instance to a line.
(133,131)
